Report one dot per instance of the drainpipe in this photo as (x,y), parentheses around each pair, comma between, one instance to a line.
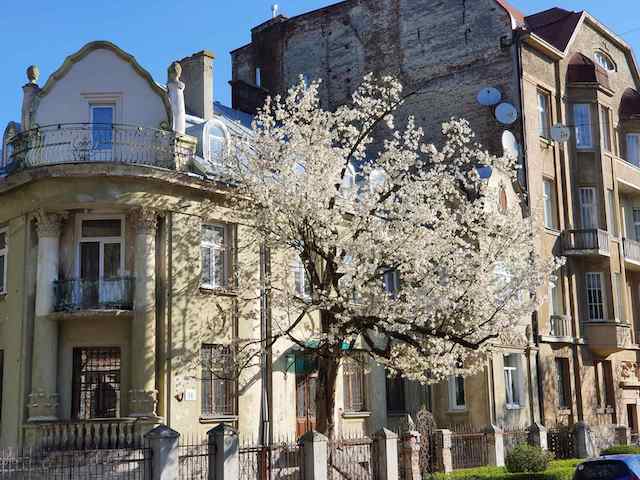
(265,354)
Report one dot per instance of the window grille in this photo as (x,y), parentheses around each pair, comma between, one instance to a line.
(96,382)
(354,383)
(218,380)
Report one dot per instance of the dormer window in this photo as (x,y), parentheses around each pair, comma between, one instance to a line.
(605,61)
(215,143)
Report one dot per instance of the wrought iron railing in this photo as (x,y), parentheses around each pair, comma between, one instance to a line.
(96,143)
(631,250)
(587,239)
(106,293)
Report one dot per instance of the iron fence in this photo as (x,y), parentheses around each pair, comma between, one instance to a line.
(193,459)
(561,441)
(36,464)
(352,459)
(514,437)
(468,447)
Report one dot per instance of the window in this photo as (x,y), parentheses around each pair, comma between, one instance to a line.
(456,393)
(258,77)
(544,114)
(605,61)
(588,207)
(605,127)
(353,379)
(1,380)
(563,382)
(556,304)
(214,142)
(96,383)
(612,221)
(616,284)
(395,393)
(218,380)
(636,223)
(3,260)
(512,380)
(633,148)
(605,396)
(392,282)
(582,121)
(214,256)
(550,207)
(301,281)
(595,299)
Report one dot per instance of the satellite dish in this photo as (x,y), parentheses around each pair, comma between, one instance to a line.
(489,96)
(510,145)
(506,113)
(560,133)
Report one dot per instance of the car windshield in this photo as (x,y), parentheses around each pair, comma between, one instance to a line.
(602,470)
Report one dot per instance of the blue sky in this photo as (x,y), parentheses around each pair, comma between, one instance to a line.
(44,32)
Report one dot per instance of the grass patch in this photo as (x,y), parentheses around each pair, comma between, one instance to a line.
(558,470)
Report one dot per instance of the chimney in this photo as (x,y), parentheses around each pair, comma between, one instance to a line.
(197,75)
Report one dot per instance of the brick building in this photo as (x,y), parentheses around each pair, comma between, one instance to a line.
(555,66)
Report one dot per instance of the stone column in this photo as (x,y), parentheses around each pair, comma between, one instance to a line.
(164,461)
(411,455)
(387,452)
(314,449)
(444,460)
(495,446)
(44,399)
(143,394)
(538,436)
(584,443)
(224,450)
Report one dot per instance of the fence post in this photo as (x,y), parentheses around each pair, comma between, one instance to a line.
(387,452)
(411,455)
(495,446)
(224,449)
(164,446)
(444,459)
(623,435)
(538,436)
(315,455)
(584,443)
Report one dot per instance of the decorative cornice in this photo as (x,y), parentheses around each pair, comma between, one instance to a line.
(144,220)
(49,224)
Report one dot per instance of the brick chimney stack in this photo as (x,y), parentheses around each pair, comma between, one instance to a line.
(197,75)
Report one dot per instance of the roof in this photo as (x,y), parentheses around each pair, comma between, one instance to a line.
(517,17)
(584,70)
(630,104)
(556,26)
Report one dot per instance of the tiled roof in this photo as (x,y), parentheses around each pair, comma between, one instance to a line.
(555,26)
(584,70)
(630,104)
(516,14)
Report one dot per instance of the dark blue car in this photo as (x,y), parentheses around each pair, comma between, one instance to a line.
(610,467)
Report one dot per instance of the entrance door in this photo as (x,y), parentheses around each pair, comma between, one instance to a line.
(102,133)
(306,381)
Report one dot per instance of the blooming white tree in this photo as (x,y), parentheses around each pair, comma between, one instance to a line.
(402,250)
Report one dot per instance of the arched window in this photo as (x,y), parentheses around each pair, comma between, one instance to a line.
(605,61)
(215,142)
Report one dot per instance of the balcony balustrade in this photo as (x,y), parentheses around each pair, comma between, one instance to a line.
(590,241)
(631,250)
(103,294)
(98,143)
(560,326)
(108,433)
(607,337)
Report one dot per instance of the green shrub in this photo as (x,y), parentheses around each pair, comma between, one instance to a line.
(558,470)
(620,450)
(527,458)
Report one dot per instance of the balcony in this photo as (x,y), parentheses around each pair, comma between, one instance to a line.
(607,337)
(591,241)
(560,326)
(104,294)
(631,253)
(99,143)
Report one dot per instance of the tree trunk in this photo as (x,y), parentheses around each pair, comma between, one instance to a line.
(326,395)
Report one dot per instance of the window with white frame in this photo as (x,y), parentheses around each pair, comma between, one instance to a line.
(456,393)
(633,148)
(214,252)
(550,206)
(616,287)
(302,285)
(636,223)
(512,380)
(612,220)
(605,61)
(3,260)
(605,127)
(595,297)
(588,207)
(556,304)
(544,114)
(582,122)
(101,249)
(392,282)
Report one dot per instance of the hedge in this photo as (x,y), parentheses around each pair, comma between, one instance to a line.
(621,449)
(558,470)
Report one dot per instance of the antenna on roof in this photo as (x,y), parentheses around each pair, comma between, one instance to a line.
(274,10)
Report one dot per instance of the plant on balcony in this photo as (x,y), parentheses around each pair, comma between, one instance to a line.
(401,248)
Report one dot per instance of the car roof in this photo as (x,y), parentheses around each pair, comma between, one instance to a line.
(621,457)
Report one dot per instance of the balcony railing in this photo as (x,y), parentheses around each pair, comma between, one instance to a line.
(559,326)
(631,250)
(108,433)
(585,241)
(96,143)
(104,294)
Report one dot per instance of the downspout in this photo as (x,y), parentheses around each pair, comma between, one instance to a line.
(169,310)
(265,354)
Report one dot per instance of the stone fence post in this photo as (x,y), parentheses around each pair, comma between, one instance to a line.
(387,451)
(164,446)
(538,436)
(444,460)
(623,435)
(584,443)
(411,455)
(314,449)
(224,449)
(495,446)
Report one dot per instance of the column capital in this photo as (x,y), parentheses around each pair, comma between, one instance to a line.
(144,220)
(49,224)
